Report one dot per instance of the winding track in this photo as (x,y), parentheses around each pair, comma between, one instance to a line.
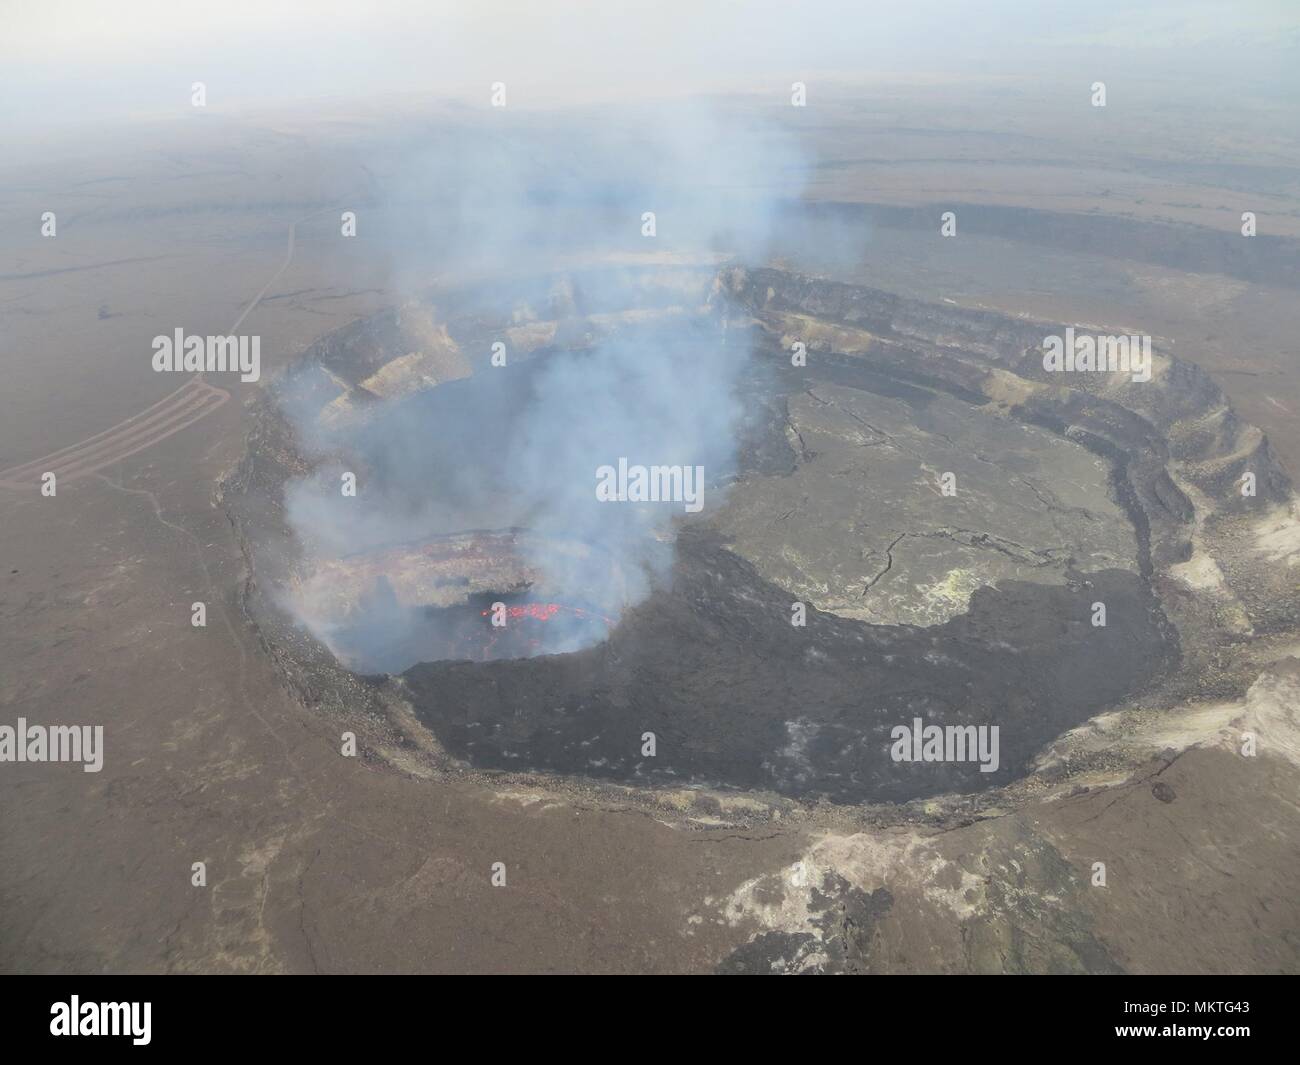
(193,400)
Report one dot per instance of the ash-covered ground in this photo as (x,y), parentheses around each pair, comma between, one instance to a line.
(1157,834)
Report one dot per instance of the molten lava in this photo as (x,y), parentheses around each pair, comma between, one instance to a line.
(546,611)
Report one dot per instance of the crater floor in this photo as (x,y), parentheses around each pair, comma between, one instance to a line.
(862,527)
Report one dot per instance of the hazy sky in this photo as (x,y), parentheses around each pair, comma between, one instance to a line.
(83,60)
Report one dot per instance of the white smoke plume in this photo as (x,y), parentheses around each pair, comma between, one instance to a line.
(520,447)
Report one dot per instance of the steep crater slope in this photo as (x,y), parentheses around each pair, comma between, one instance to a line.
(949,514)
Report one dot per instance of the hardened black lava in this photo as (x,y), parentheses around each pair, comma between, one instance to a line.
(737,696)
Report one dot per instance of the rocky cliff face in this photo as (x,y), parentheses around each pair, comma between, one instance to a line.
(1177,454)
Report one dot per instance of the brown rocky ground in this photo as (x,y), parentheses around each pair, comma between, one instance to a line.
(320,863)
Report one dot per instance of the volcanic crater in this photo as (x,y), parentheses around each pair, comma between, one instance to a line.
(973,606)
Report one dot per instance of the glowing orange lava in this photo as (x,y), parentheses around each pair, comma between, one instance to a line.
(546,611)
